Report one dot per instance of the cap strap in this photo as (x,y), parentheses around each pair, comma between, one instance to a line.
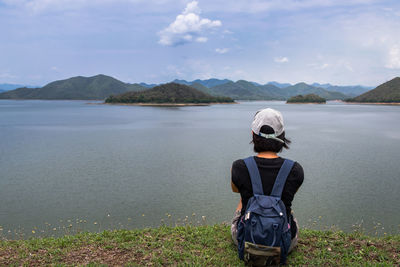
(271,136)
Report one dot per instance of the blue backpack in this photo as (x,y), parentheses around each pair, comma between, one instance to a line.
(264,234)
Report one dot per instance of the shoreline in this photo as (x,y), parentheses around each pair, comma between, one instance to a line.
(205,245)
(318,103)
(166,104)
(372,103)
(201,104)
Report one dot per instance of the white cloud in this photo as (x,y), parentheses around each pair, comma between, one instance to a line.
(379,38)
(394,58)
(319,65)
(175,71)
(251,6)
(37,6)
(40,6)
(281,59)
(347,66)
(335,64)
(192,7)
(228,32)
(221,50)
(324,66)
(13,2)
(201,39)
(261,6)
(7,76)
(187,26)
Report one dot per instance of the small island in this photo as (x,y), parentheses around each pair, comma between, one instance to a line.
(169,94)
(306,99)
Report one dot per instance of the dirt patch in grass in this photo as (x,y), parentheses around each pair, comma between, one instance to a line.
(8,256)
(24,256)
(339,249)
(95,254)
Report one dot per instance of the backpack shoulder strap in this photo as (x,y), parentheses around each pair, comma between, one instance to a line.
(254,176)
(281,178)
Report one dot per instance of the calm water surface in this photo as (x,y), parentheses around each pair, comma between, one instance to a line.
(68,160)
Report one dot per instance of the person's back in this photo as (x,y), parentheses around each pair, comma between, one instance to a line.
(269,139)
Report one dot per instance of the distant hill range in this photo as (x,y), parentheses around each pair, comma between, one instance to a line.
(96,87)
(101,86)
(207,83)
(170,93)
(8,86)
(388,92)
(245,90)
(347,90)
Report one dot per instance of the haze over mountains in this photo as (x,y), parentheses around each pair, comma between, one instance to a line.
(246,90)
(8,86)
(102,86)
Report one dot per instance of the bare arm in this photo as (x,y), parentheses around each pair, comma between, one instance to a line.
(234,188)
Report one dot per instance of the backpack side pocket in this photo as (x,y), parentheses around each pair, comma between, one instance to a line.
(240,238)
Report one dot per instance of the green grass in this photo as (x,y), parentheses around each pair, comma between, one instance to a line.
(194,245)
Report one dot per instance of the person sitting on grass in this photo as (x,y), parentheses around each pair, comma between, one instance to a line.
(268,138)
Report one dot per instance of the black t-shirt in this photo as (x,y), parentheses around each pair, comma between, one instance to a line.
(268,169)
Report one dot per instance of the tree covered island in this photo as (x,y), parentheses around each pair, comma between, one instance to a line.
(305,99)
(167,94)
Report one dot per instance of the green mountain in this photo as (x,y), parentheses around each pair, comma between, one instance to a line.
(304,89)
(242,90)
(274,91)
(151,85)
(96,87)
(349,90)
(170,93)
(101,86)
(207,83)
(245,90)
(211,82)
(201,88)
(20,93)
(388,92)
(280,85)
(182,82)
(310,98)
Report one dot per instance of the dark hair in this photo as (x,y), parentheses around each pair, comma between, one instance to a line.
(262,144)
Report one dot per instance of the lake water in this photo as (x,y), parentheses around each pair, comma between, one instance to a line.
(103,164)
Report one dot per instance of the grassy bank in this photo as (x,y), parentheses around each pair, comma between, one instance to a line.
(197,245)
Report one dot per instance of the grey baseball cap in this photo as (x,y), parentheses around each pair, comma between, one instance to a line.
(273,119)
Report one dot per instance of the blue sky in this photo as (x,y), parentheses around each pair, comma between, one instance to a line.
(342,42)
